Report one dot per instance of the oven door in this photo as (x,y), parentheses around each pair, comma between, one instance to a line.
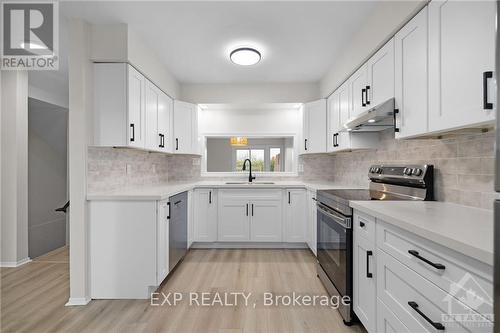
(334,246)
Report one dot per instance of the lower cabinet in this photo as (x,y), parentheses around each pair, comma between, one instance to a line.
(404,283)
(364,292)
(295,227)
(312,222)
(205,215)
(162,241)
(250,215)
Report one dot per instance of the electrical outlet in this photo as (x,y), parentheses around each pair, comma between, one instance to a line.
(196,161)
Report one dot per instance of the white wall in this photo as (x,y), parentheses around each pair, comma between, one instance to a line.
(80,131)
(387,18)
(118,43)
(250,121)
(14,172)
(250,93)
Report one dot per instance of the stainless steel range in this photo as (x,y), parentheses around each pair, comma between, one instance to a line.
(334,239)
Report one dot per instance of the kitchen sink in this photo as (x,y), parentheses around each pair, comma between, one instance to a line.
(248,183)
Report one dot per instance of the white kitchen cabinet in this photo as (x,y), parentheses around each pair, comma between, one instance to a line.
(314,127)
(380,86)
(387,322)
(295,226)
(158,115)
(312,221)
(205,215)
(119,105)
(185,138)
(357,88)
(250,215)
(411,74)
(234,218)
(162,241)
(364,279)
(265,220)
(461,53)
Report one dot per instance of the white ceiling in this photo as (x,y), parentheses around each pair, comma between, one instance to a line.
(298,40)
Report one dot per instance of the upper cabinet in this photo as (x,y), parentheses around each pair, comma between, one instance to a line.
(461,64)
(380,69)
(314,127)
(411,77)
(358,83)
(185,140)
(131,111)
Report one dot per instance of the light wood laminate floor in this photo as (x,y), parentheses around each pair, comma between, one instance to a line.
(33,297)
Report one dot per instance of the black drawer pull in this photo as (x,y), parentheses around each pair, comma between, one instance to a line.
(176,143)
(305,144)
(210,197)
(396,128)
(362,224)
(367,94)
(132,127)
(177,202)
(363,91)
(486,105)
(247,209)
(427,261)
(434,324)
(252,209)
(368,274)
(168,205)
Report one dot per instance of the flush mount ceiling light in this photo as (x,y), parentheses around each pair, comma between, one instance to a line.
(245,56)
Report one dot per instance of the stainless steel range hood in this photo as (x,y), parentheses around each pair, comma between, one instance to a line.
(378,118)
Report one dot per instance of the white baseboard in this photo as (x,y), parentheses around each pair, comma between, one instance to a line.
(78,301)
(248,245)
(15,263)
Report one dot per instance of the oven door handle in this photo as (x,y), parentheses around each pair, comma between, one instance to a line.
(343,221)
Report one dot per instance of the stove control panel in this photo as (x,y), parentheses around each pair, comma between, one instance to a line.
(381,172)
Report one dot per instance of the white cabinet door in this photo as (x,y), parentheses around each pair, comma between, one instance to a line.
(295,225)
(333,120)
(152,139)
(165,124)
(364,291)
(234,219)
(312,235)
(184,121)
(315,127)
(162,242)
(136,105)
(205,215)
(305,131)
(411,77)
(461,51)
(357,86)
(343,139)
(266,220)
(381,75)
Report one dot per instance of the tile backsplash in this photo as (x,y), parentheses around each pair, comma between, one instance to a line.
(114,168)
(464,165)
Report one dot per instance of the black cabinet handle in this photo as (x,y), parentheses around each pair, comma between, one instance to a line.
(177,202)
(434,324)
(333,139)
(336,139)
(210,197)
(368,274)
(486,105)
(168,215)
(367,94)
(252,209)
(427,261)
(362,224)
(132,127)
(247,209)
(305,144)
(363,91)
(289,201)
(396,129)
(176,143)
(162,142)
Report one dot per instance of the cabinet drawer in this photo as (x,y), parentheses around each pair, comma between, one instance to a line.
(387,322)
(459,274)
(417,302)
(364,226)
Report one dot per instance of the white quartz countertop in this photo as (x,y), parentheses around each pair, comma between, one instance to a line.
(466,230)
(160,192)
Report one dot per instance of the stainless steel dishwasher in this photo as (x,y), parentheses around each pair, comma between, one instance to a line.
(177,229)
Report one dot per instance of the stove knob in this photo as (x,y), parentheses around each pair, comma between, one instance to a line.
(417,172)
(371,170)
(378,170)
(407,171)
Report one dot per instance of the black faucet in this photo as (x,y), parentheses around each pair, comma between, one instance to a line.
(250,177)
